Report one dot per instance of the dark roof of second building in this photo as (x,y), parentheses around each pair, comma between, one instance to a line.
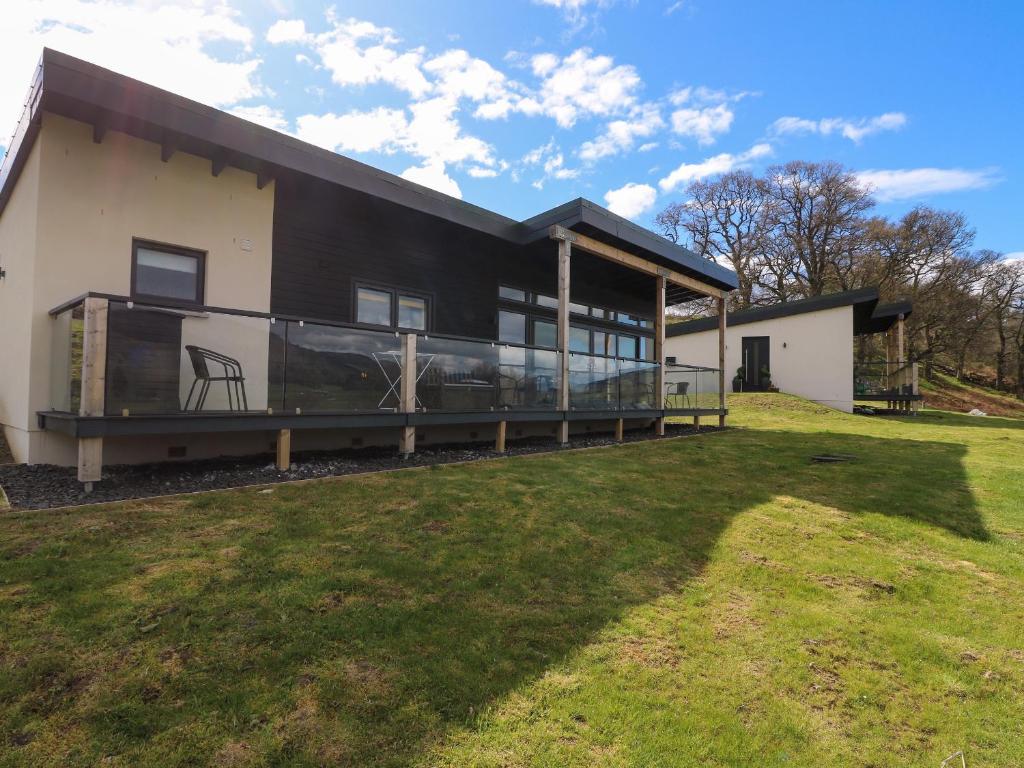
(868,315)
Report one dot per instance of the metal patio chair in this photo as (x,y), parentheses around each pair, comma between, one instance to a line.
(232,377)
(677,393)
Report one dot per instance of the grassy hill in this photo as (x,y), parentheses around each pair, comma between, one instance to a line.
(946,393)
(716,600)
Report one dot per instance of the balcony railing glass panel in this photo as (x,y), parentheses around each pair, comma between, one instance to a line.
(593,382)
(331,369)
(66,349)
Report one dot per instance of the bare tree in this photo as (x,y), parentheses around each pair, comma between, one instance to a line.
(725,219)
(1004,286)
(818,211)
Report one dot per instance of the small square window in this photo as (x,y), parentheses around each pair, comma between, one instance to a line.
(412,313)
(373,307)
(167,272)
(579,309)
(546,301)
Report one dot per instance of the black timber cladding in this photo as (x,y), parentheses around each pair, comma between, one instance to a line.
(868,315)
(109,101)
(328,238)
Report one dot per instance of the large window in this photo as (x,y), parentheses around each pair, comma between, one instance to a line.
(545,334)
(391,308)
(512,327)
(523,318)
(168,273)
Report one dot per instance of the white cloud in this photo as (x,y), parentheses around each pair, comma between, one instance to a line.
(263,115)
(1014,257)
(550,159)
(576,11)
(702,123)
(378,130)
(165,44)
(854,130)
(904,184)
(631,200)
(479,172)
(581,84)
(287,31)
(460,75)
(712,166)
(647,147)
(621,135)
(432,174)
(361,53)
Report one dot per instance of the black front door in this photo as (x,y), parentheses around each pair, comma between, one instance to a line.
(756,356)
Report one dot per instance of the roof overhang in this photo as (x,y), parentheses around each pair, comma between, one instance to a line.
(106,100)
(589,219)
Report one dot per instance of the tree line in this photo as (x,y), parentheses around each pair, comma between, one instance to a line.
(805,229)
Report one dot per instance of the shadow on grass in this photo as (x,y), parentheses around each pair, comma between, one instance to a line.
(362,621)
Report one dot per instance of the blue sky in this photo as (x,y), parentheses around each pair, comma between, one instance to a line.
(519,106)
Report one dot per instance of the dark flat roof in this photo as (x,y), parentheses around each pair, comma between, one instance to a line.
(868,315)
(83,91)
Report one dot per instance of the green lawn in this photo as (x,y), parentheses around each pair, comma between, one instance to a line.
(711,601)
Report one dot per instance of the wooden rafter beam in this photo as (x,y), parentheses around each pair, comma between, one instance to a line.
(99,128)
(263,177)
(626,259)
(219,162)
(169,143)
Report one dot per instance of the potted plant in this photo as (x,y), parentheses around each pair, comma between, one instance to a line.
(737,380)
(765,378)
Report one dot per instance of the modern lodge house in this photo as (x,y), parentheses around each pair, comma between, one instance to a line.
(176,282)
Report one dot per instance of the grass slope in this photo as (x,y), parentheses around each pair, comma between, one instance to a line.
(947,393)
(715,601)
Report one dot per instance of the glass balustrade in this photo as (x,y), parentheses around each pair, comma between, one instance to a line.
(328,368)
(162,360)
(593,382)
(66,346)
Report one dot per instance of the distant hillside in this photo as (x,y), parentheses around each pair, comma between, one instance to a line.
(948,394)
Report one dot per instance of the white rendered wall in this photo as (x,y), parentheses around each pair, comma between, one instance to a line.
(811,353)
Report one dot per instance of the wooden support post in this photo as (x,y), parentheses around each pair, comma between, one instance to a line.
(284,450)
(899,340)
(94,386)
(499,440)
(407,440)
(619,429)
(696,423)
(721,360)
(563,432)
(564,250)
(659,352)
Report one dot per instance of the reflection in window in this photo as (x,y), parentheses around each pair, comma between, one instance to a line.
(512,327)
(168,274)
(546,301)
(579,339)
(373,307)
(412,313)
(604,343)
(512,294)
(545,334)
(627,346)
(579,309)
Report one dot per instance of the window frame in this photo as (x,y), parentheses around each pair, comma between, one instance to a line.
(396,292)
(599,320)
(176,250)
